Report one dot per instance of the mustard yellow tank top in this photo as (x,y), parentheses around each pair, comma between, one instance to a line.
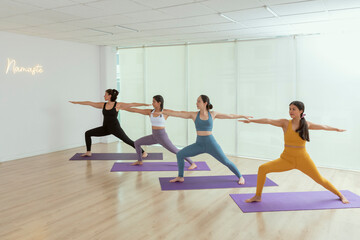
(292,138)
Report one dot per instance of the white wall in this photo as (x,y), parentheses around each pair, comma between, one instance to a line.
(36,116)
(107,68)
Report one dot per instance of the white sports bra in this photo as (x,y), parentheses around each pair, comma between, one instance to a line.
(157,121)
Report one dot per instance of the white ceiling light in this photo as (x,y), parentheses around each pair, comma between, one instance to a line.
(130,29)
(228,18)
(100,31)
(271,11)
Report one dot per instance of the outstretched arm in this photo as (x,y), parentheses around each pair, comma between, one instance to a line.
(314,126)
(181,114)
(93,104)
(136,110)
(229,116)
(123,105)
(275,122)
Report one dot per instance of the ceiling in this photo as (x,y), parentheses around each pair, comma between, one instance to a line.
(131,23)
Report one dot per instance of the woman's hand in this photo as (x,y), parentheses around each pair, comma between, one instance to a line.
(247,117)
(245,121)
(340,130)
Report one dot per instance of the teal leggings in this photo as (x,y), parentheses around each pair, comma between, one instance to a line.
(205,144)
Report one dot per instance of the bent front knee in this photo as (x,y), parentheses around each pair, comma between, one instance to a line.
(263,170)
(180,155)
(137,144)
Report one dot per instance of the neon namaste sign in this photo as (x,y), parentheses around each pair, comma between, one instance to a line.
(12,67)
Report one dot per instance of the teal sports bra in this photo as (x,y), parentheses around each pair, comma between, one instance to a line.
(203,125)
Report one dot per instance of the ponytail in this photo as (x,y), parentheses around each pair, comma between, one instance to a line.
(206,99)
(303,129)
(159,98)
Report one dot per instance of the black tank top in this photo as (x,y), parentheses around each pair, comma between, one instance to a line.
(110,116)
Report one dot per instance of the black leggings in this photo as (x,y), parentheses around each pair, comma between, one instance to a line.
(117,131)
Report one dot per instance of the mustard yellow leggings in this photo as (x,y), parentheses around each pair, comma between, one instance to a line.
(293,158)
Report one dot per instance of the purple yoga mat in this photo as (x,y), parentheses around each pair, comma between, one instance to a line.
(210,182)
(117,156)
(156,166)
(295,201)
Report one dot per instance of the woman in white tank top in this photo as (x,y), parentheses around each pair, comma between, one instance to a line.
(159,134)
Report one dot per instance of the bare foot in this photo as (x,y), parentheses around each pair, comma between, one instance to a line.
(144,155)
(255,198)
(137,163)
(193,166)
(177,179)
(87,154)
(343,199)
(241,181)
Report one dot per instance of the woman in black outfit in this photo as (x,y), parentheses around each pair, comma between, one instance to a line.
(111,124)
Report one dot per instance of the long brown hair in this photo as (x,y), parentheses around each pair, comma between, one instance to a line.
(303,128)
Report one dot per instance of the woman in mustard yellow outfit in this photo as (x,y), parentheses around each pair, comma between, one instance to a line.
(294,156)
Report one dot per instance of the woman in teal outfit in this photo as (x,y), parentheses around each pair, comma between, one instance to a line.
(205,141)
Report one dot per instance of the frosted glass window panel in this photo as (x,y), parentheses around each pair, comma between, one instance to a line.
(212,72)
(165,75)
(132,90)
(258,78)
(328,84)
(266,70)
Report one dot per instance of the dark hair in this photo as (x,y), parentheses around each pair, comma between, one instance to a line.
(303,129)
(206,99)
(159,98)
(114,93)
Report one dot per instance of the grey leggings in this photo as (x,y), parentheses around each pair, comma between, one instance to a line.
(158,136)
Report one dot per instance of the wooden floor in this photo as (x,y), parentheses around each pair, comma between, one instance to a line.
(50,197)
